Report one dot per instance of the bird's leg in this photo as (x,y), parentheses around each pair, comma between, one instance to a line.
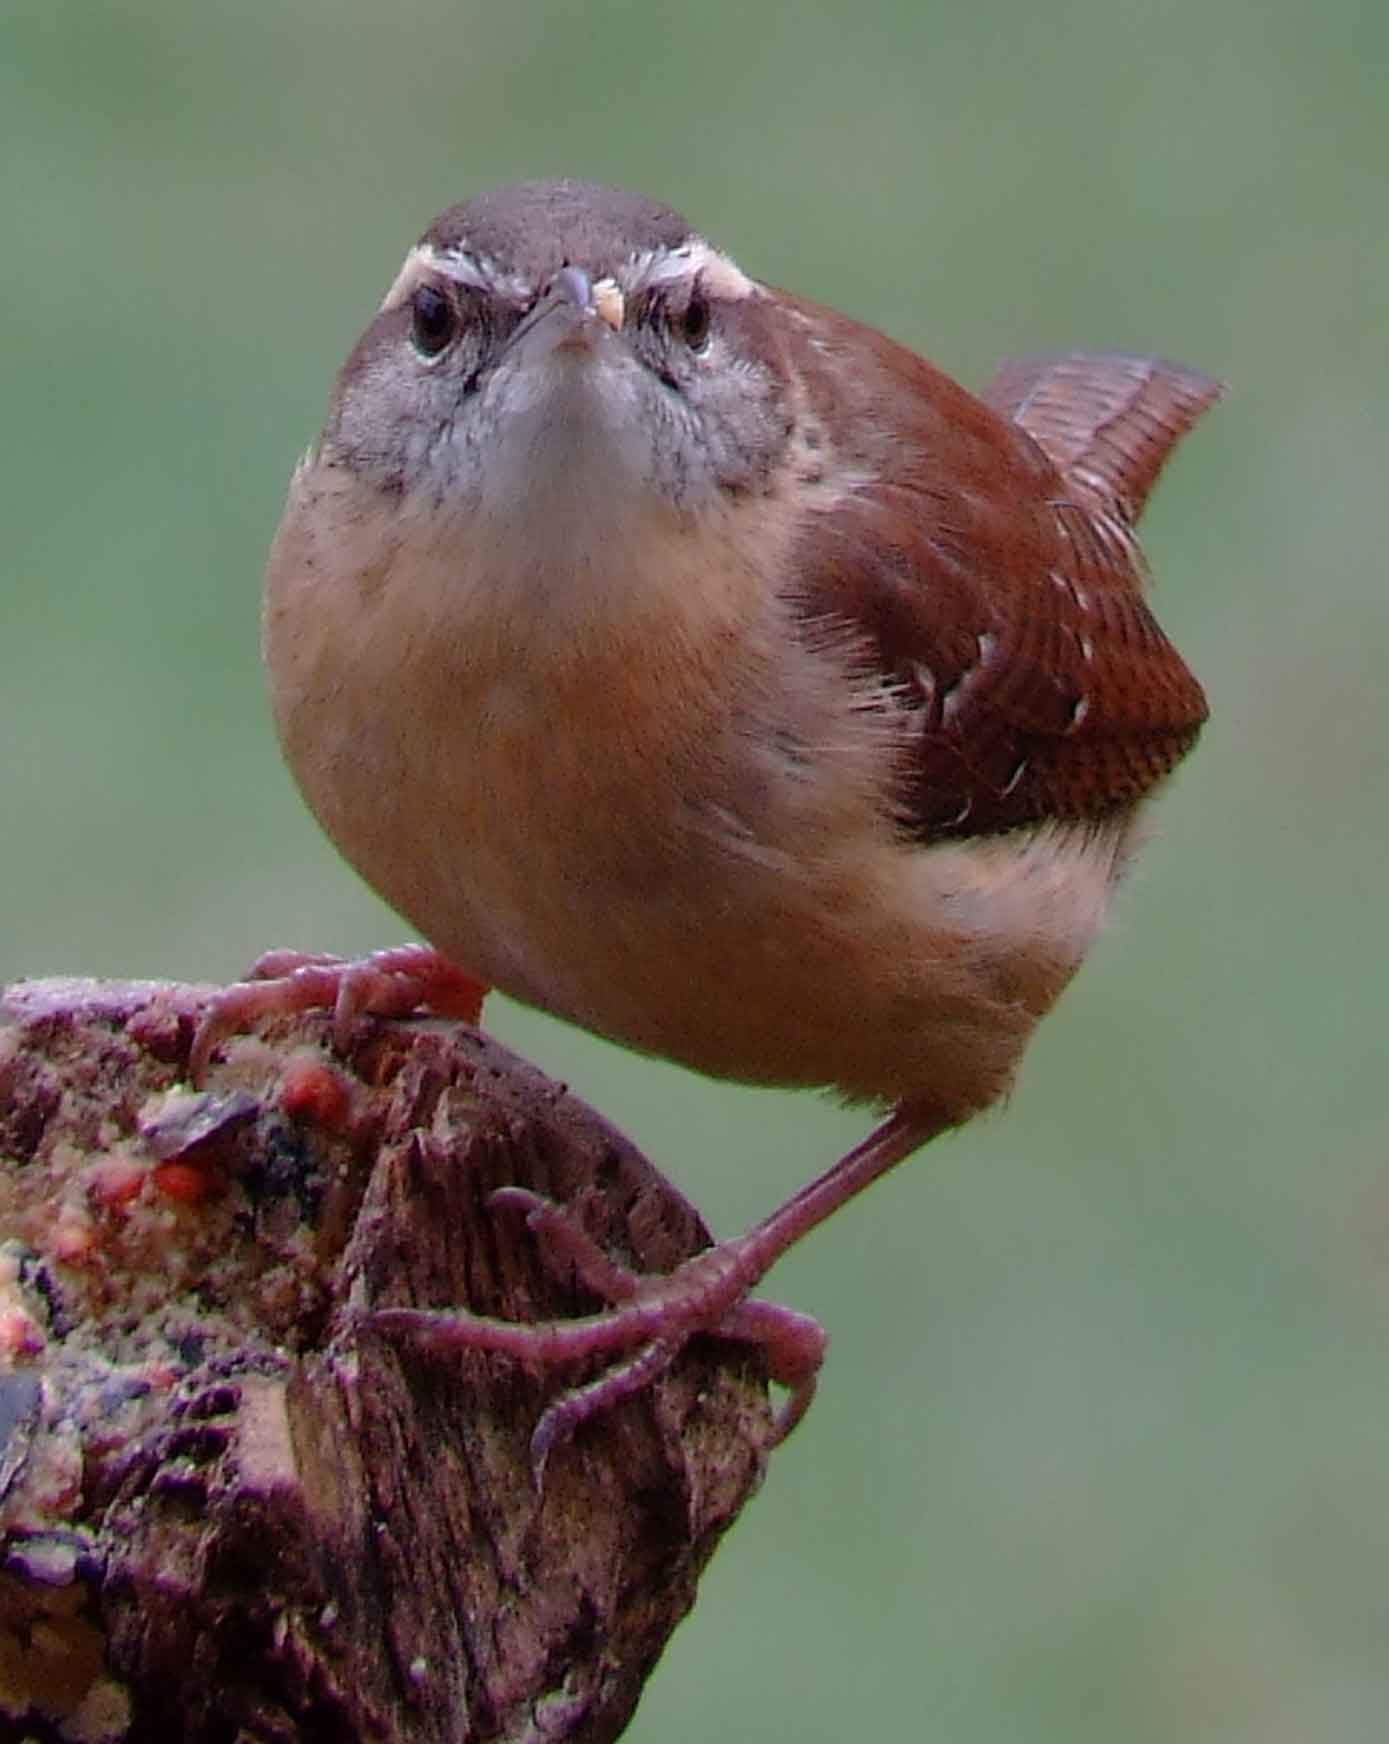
(651,1316)
(654,1315)
(389,983)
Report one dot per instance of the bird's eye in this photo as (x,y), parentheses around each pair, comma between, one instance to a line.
(694,323)
(433,323)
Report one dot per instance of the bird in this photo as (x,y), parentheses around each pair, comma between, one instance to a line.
(702,666)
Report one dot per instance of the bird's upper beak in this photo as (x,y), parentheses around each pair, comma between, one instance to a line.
(573,311)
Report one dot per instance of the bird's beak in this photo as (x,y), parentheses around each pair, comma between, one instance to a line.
(573,310)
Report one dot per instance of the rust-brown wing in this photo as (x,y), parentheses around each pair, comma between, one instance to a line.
(987,557)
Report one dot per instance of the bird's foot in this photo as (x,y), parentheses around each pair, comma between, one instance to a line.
(649,1321)
(390,983)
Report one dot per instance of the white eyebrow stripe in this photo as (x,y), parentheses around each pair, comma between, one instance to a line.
(477,272)
(412,270)
(722,276)
(696,257)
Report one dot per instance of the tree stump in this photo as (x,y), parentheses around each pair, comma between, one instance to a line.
(230,1512)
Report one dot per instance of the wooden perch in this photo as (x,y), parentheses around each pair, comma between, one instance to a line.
(230,1514)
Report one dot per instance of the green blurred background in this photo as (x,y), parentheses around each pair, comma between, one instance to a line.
(1102,1450)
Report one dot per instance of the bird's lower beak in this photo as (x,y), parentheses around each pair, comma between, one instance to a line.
(573,311)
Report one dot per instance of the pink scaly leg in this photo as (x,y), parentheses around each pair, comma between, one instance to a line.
(653,1316)
(390,983)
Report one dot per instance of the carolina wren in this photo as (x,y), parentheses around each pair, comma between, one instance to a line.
(697,664)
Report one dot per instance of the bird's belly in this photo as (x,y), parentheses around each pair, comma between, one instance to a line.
(668,867)
(878,968)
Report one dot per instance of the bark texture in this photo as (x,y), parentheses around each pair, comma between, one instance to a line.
(230,1513)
